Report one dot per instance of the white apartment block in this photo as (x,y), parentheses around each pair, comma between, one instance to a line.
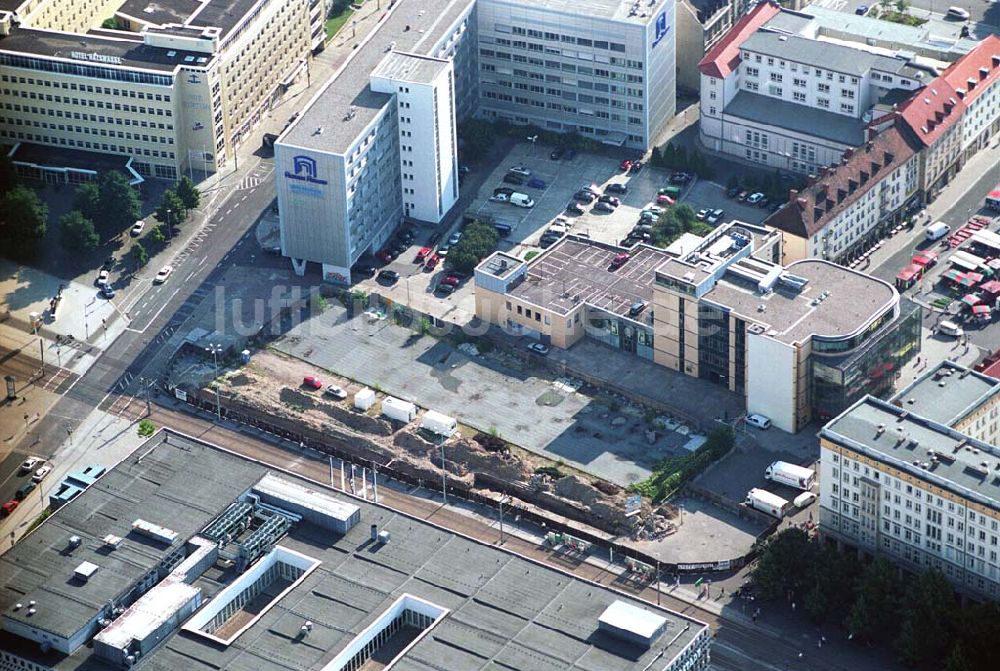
(174,88)
(778,92)
(604,69)
(896,483)
(378,142)
(849,205)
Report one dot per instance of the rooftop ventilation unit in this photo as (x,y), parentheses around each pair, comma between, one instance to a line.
(112,541)
(154,531)
(85,570)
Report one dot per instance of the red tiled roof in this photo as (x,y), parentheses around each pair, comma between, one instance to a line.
(977,70)
(806,213)
(723,58)
(932,110)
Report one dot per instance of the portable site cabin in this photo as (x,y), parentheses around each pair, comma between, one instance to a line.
(364,399)
(398,409)
(439,423)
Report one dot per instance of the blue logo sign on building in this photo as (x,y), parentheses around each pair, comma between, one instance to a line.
(305,170)
(661,28)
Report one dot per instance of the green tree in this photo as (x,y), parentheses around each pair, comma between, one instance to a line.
(928,627)
(978,626)
(171,210)
(23,218)
(956,659)
(120,206)
(478,241)
(87,199)
(879,592)
(159,234)
(110,24)
(78,232)
(8,174)
(139,255)
(188,193)
(476,137)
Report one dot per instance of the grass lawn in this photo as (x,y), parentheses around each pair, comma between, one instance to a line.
(334,24)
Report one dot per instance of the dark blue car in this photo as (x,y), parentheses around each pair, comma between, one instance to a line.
(536,183)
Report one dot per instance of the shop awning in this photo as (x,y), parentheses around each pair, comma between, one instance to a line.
(971,299)
(966,260)
(909,273)
(952,275)
(925,259)
(981,310)
(986,238)
(992,287)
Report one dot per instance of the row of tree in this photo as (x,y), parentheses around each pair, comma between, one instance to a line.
(919,616)
(677,157)
(23,215)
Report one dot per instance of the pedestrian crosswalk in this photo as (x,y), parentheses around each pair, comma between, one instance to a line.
(252,179)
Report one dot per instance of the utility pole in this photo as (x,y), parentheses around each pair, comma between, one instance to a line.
(657,578)
(146,384)
(215,349)
(170,232)
(41,350)
(444,479)
(503,499)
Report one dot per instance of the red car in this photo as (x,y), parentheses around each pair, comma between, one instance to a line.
(423,254)
(9,507)
(451,280)
(664,200)
(432,262)
(619,260)
(312,382)
(625,165)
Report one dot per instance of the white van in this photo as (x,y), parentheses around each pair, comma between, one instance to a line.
(760,421)
(950,328)
(957,13)
(937,230)
(521,200)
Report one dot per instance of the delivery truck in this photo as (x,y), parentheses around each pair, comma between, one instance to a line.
(937,230)
(766,502)
(791,475)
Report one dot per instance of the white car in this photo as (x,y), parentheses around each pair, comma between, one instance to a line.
(715,216)
(41,473)
(957,13)
(760,421)
(165,272)
(137,228)
(500,198)
(31,463)
(755,198)
(454,238)
(950,328)
(520,170)
(538,348)
(702,213)
(335,391)
(102,278)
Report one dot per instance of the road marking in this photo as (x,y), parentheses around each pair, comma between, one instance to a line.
(203,259)
(190,275)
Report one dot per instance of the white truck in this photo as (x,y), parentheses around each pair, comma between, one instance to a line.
(766,502)
(791,475)
(937,230)
(521,200)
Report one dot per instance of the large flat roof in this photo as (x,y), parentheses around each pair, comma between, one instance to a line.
(132,52)
(852,300)
(575,271)
(826,55)
(947,392)
(505,611)
(897,437)
(411,26)
(770,111)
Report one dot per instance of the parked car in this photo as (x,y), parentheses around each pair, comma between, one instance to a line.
(453,280)
(431,263)
(625,165)
(763,202)
(102,277)
(715,217)
(505,190)
(636,168)
(681,178)
(454,238)
(399,247)
(107,292)
(536,183)
(163,275)
(312,382)
(755,198)
(619,260)
(513,178)
(702,213)
(861,10)
(388,276)
(501,197)
(335,391)
(137,227)
(733,192)
(364,269)
(760,421)
(443,251)
(648,217)
(41,473)
(742,195)
(444,288)
(583,196)
(25,489)
(957,13)
(574,208)
(556,154)
(422,254)
(519,170)
(109,263)
(664,199)
(538,348)
(406,234)
(385,255)
(30,464)
(616,187)
(602,206)
(9,507)
(636,308)
(592,190)
(610,200)
(642,228)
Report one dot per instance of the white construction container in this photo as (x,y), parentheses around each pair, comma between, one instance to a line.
(438,423)
(398,409)
(791,475)
(766,502)
(364,399)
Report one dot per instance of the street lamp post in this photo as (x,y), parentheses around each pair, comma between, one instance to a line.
(170,233)
(503,500)
(146,384)
(444,479)
(215,349)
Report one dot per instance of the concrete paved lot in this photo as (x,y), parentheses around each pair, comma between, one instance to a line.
(483,392)
(743,470)
(713,196)
(707,534)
